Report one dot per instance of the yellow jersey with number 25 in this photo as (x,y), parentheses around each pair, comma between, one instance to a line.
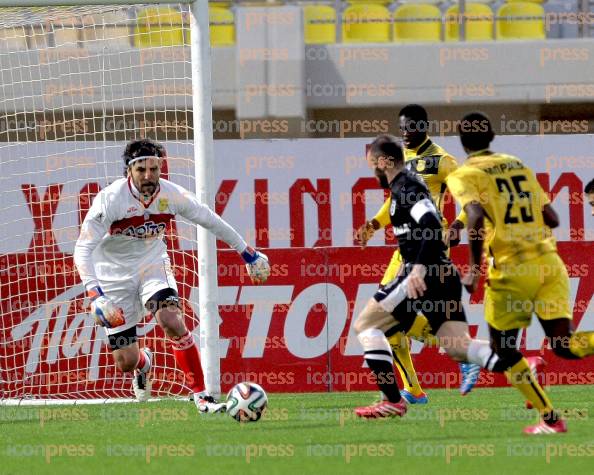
(512,200)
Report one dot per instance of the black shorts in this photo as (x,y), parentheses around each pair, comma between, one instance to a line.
(122,339)
(163,298)
(441,302)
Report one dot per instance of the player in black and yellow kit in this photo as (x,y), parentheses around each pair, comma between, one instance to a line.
(506,207)
(433,164)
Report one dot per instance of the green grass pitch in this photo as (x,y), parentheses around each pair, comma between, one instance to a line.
(302,433)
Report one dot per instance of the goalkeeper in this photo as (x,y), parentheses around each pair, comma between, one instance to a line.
(122,260)
(433,164)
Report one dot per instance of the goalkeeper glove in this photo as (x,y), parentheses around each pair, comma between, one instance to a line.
(257,265)
(103,310)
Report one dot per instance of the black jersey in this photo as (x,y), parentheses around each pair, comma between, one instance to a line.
(416,221)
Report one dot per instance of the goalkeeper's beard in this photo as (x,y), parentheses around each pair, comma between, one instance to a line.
(148,189)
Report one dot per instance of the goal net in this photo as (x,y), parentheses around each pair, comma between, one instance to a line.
(77,83)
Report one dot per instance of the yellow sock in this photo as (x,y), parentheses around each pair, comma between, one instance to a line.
(582,344)
(404,364)
(520,376)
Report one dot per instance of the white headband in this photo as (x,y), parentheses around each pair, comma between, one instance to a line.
(144,157)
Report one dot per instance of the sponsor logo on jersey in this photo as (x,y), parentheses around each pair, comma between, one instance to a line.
(139,227)
(147,230)
(400,230)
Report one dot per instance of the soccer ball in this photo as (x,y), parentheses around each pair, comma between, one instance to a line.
(246,402)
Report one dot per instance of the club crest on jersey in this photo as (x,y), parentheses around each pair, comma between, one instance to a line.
(163,204)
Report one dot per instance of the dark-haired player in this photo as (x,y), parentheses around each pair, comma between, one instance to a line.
(428,283)
(122,261)
(507,208)
(433,164)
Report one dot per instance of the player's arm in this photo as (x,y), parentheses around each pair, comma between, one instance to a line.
(447,166)
(190,208)
(550,216)
(379,221)
(94,227)
(465,185)
(427,217)
(455,229)
(476,236)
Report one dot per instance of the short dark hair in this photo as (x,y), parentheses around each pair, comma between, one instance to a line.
(475,130)
(415,112)
(387,146)
(142,148)
(589,187)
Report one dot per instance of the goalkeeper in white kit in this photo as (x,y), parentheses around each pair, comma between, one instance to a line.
(122,260)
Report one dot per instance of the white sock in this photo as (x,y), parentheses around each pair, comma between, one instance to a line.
(481,353)
(147,365)
(374,340)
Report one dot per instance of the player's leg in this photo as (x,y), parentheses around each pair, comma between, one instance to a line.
(129,357)
(400,345)
(509,303)
(165,305)
(123,340)
(552,307)
(370,326)
(159,295)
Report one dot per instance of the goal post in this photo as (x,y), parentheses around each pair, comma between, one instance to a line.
(78,79)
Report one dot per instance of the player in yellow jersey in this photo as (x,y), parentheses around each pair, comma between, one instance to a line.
(506,208)
(433,164)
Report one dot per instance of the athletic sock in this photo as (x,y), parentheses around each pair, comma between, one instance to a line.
(480,352)
(403,362)
(582,344)
(520,375)
(378,356)
(187,357)
(144,363)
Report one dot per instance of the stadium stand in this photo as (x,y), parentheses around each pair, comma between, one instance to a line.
(319,33)
(479,24)
(222,26)
(366,23)
(417,22)
(158,27)
(514,21)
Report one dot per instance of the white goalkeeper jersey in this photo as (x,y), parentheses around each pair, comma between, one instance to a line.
(121,232)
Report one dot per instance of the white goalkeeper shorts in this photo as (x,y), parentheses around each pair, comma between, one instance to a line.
(130,289)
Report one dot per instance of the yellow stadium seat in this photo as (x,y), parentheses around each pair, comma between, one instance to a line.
(414,31)
(319,33)
(158,27)
(527,1)
(366,23)
(478,25)
(222,33)
(379,2)
(520,29)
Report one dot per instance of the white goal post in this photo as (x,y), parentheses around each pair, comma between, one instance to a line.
(78,79)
